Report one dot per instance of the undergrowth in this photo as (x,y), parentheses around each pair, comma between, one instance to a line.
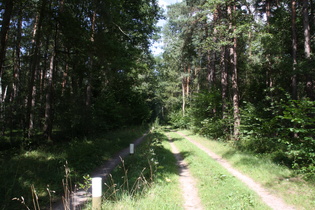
(43,167)
(133,183)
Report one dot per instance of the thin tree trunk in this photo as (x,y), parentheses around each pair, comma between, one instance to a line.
(33,67)
(268,11)
(48,125)
(211,54)
(188,81)
(269,81)
(17,58)
(89,87)
(224,82)
(307,48)
(183,97)
(4,32)
(184,90)
(235,90)
(294,49)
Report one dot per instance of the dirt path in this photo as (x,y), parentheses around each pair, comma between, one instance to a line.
(79,198)
(271,200)
(187,182)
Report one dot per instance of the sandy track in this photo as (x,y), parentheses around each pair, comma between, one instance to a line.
(187,182)
(272,201)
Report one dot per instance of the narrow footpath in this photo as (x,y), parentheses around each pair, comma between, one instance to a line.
(272,201)
(187,182)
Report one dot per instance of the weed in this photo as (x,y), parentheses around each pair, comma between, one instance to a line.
(87,182)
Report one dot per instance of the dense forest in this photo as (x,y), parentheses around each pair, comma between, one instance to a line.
(243,70)
(240,71)
(74,67)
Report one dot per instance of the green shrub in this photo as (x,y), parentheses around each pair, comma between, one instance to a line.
(298,133)
(177,120)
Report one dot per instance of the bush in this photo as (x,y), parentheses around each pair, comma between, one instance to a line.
(177,120)
(298,133)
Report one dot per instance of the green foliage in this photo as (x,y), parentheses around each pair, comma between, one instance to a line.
(206,115)
(42,166)
(285,129)
(177,119)
(257,130)
(219,129)
(298,134)
(87,182)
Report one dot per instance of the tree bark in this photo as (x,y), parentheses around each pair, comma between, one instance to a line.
(33,67)
(268,11)
(183,97)
(294,49)
(4,32)
(235,90)
(307,48)
(224,82)
(17,58)
(211,54)
(48,125)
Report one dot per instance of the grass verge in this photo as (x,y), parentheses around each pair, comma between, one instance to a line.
(217,188)
(279,179)
(43,167)
(146,180)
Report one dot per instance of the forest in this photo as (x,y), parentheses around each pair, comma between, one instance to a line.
(239,71)
(243,71)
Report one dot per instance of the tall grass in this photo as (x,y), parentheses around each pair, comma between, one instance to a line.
(146,180)
(43,167)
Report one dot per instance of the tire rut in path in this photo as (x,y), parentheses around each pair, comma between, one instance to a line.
(271,200)
(187,182)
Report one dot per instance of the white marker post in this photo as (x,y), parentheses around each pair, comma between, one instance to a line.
(132,149)
(97,193)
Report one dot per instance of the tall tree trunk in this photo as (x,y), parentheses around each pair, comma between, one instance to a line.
(185,88)
(33,67)
(17,58)
(4,32)
(294,49)
(224,70)
(183,96)
(268,11)
(188,81)
(5,26)
(269,79)
(211,54)
(48,124)
(89,87)
(235,90)
(224,82)
(307,48)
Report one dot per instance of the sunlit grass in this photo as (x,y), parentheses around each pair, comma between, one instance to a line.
(277,178)
(162,193)
(217,188)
